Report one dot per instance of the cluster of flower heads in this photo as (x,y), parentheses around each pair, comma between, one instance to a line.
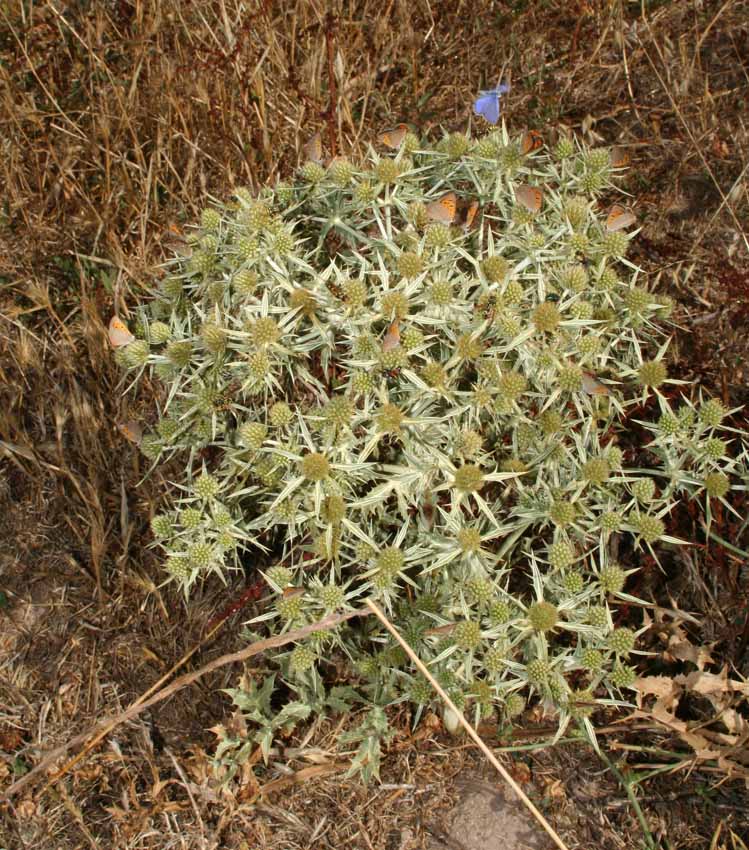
(394,398)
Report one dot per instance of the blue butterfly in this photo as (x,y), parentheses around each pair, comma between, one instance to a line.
(487,103)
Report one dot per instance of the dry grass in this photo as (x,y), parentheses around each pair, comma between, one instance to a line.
(118,120)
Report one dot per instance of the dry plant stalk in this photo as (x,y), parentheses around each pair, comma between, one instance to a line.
(104,727)
(472,733)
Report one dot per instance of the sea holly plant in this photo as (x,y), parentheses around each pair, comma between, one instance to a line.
(435,379)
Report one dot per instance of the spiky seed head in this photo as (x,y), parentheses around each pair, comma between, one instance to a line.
(717,484)
(302,659)
(159,333)
(395,305)
(214,337)
(390,419)
(543,616)
(280,414)
(469,540)
(607,280)
(436,235)
(387,170)
(354,292)
(304,301)
(417,214)
(206,486)
(468,478)
(570,379)
(546,317)
(201,263)
(136,354)
(333,509)
(178,566)
(538,671)
(579,243)
(410,264)
(365,192)
(574,582)
(610,521)
(314,466)
(495,268)
(560,555)
(711,412)
(312,172)
(591,182)
(362,383)
(576,212)
(179,353)
(280,576)
(289,608)
(253,434)
(652,373)
(649,527)
(411,338)
(715,448)
(190,518)
(622,641)
(598,616)
(597,470)
(390,560)
(467,635)
(172,288)
(551,422)
(598,159)
(161,526)
(469,347)
(592,660)
(434,374)
(514,706)
(643,490)
(564,148)
(622,676)
(612,578)
(574,278)
(562,512)
(201,555)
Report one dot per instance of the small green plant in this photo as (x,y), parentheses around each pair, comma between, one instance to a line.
(427,413)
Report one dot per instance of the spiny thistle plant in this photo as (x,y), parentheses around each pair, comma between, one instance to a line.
(393,399)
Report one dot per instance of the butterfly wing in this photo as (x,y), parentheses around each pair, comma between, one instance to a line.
(313,148)
(593,386)
(618,218)
(393,137)
(531,142)
(471,212)
(392,338)
(131,430)
(620,157)
(444,209)
(487,105)
(119,334)
(531,197)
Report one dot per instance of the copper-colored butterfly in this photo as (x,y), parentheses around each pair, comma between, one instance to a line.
(531,197)
(394,136)
(620,157)
(470,212)
(175,242)
(313,148)
(593,386)
(131,430)
(291,592)
(530,142)
(618,218)
(444,209)
(392,338)
(119,334)
(441,630)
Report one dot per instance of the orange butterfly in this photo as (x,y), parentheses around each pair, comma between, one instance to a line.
(119,334)
(531,197)
(618,218)
(392,338)
(444,209)
(131,430)
(394,136)
(470,213)
(313,148)
(592,386)
(531,142)
(291,592)
(620,157)
(441,630)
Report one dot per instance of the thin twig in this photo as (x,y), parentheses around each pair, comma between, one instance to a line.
(104,727)
(522,796)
